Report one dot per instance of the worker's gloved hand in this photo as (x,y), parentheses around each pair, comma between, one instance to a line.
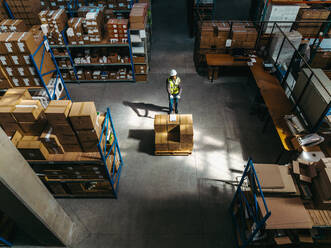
(171,97)
(178,97)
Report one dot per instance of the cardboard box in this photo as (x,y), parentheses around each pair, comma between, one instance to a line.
(90,147)
(6,114)
(161,141)
(171,124)
(51,142)
(28,111)
(304,171)
(160,123)
(14,96)
(186,133)
(72,148)
(16,137)
(83,115)
(33,150)
(87,136)
(33,128)
(10,128)
(67,139)
(58,111)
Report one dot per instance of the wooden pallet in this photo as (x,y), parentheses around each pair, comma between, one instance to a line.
(320,217)
(173,153)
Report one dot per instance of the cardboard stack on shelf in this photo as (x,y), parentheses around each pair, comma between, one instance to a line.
(173,134)
(26,10)
(16,66)
(10,25)
(93,25)
(11,98)
(62,127)
(138,16)
(313,15)
(57,114)
(117,30)
(75,32)
(85,121)
(53,23)
(54,4)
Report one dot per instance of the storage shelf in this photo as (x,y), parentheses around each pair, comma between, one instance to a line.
(114,64)
(66,68)
(140,63)
(100,45)
(61,56)
(122,11)
(101,81)
(57,46)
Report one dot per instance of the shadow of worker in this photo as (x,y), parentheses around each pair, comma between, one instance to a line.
(138,107)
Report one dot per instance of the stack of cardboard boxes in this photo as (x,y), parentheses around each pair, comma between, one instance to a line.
(57,114)
(11,25)
(7,104)
(311,15)
(118,30)
(244,35)
(173,134)
(85,121)
(17,67)
(75,32)
(138,16)
(53,23)
(26,10)
(61,127)
(94,25)
(214,34)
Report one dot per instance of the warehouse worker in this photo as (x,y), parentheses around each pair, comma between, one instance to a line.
(174,88)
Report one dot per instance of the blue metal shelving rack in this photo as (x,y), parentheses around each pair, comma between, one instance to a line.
(11,16)
(241,208)
(5,242)
(112,153)
(69,54)
(39,67)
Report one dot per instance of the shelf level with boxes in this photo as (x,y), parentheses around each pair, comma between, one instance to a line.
(69,145)
(81,174)
(110,51)
(28,62)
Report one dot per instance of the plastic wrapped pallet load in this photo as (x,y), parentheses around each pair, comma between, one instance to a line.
(287,50)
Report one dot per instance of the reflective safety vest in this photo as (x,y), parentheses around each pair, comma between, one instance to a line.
(174,86)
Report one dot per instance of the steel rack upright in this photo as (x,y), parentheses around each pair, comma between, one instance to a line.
(44,45)
(245,210)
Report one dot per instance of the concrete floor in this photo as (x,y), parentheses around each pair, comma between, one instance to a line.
(174,201)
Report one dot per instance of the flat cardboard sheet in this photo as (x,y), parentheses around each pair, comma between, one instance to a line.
(289,186)
(286,213)
(269,176)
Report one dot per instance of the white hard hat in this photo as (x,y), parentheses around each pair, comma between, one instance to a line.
(173,73)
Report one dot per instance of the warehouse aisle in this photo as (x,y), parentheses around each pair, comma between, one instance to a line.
(172,201)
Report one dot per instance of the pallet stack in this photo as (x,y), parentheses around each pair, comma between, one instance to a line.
(173,134)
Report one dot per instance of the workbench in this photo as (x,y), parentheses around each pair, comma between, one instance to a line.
(276,101)
(214,61)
